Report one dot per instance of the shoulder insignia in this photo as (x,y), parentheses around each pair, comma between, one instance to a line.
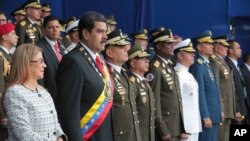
(213,56)
(23,23)
(199,61)
(132,79)
(156,64)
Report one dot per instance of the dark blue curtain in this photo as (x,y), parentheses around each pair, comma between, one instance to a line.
(186,18)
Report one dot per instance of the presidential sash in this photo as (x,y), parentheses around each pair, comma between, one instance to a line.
(95,116)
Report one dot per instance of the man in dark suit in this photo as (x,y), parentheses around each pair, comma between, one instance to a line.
(84,86)
(52,53)
(224,76)
(209,98)
(29,29)
(124,112)
(8,39)
(234,53)
(245,69)
(138,65)
(165,85)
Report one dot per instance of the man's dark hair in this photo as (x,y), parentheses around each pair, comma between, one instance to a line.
(246,56)
(87,21)
(48,19)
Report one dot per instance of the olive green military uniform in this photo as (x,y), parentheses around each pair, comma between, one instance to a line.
(145,104)
(28,32)
(224,77)
(124,113)
(5,60)
(165,85)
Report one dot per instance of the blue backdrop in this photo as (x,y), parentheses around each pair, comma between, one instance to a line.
(185,17)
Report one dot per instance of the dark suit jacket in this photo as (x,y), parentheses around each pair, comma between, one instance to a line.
(209,99)
(79,86)
(239,89)
(246,74)
(165,85)
(51,60)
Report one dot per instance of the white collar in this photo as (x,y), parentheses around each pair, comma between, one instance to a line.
(235,62)
(182,67)
(140,78)
(51,42)
(206,60)
(91,53)
(6,50)
(248,66)
(116,67)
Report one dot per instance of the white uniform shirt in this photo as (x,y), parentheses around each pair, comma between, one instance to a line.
(190,99)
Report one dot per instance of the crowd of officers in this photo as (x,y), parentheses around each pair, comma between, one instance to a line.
(163,88)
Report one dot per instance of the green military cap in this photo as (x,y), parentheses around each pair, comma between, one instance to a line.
(111,20)
(155,31)
(141,34)
(32,4)
(137,51)
(221,40)
(163,36)
(117,38)
(18,11)
(46,7)
(205,37)
(185,45)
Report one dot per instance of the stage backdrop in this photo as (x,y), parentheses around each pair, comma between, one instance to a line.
(186,18)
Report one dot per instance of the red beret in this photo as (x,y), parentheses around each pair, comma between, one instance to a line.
(6,28)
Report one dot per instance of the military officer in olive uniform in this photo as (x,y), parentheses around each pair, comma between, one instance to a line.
(145,103)
(124,113)
(29,29)
(8,39)
(209,97)
(224,76)
(165,85)
(140,37)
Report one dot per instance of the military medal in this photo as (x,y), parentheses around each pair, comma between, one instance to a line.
(171,87)
(144,99)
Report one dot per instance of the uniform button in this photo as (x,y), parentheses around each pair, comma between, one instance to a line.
(121,132)
(54,133)
(138,121)
(51,112)
(39,95)
(168,113)
(133,113)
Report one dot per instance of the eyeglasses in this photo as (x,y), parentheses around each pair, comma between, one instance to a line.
(40,61)
(3,20)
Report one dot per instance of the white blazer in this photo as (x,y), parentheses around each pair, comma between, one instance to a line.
(31,115)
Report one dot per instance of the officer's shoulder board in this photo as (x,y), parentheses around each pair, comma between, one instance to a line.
(132,79)
(156,64)
(23,23)
(199,61)
(213,57)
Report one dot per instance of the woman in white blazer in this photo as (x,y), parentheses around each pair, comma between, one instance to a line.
(29,107)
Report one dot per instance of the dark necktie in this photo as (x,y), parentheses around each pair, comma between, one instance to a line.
(58,54)
(99,64)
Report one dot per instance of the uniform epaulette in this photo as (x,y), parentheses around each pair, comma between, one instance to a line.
(199,61)
(23,23)
(132,79)
(156,64)
(213,56)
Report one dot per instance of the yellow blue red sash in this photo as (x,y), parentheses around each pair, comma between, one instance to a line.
(91,121)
